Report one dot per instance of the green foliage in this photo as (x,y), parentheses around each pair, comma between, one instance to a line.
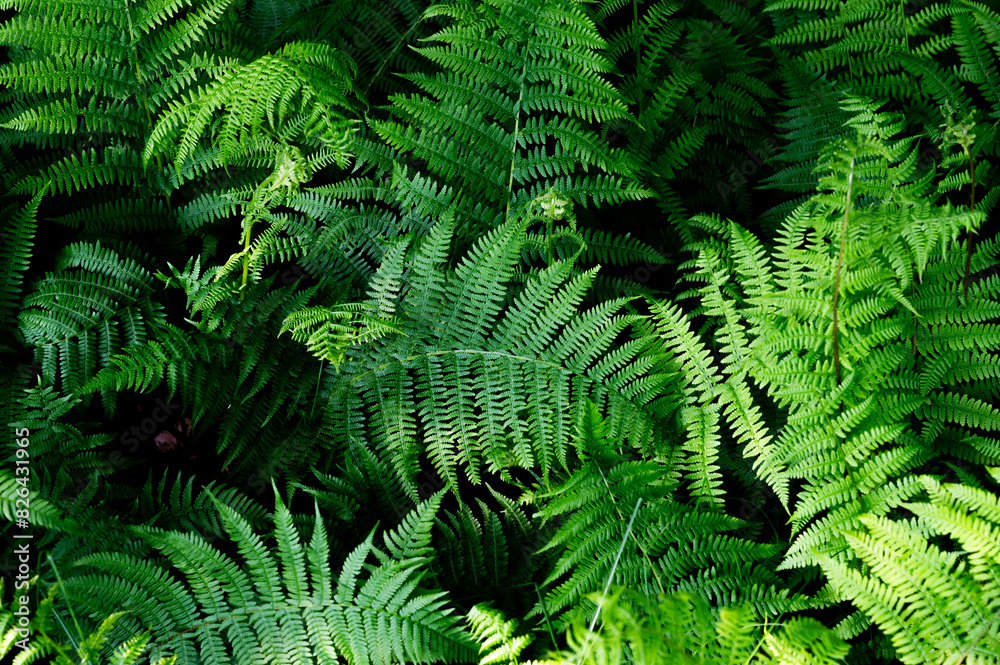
(279,604)
(699,91)
(684,628)
(317,327)
(87,650)
(18,233)
(491,375)
(868,398)
(299,76)
(675,545)
(666,629)
(782,448)
(510,114)
(951,613)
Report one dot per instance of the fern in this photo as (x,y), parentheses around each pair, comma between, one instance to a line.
(698,92)
(461,323)
(517,78)
(329,340)
(17,242)
(106,304)
(282,601)
(496,635)
(948,611)
(684,628)
(452,210)
(849,370)
(299,74)
(673,546)
(86,650)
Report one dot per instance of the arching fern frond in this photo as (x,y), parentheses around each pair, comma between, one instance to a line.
(299,75)
(328,332)
(950,599)
(511,113)
(283,601)
(491,374)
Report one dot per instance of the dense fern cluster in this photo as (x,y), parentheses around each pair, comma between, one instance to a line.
(500,331)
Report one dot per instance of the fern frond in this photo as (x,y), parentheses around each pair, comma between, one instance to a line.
(472,358)
(283,602)
(308,74)
(949,601)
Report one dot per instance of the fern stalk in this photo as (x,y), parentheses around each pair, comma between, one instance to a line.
(642,549)
(968,235)
(246,258)
(517,127)
(840,262)
(614,567)
(548,621)
(68,604)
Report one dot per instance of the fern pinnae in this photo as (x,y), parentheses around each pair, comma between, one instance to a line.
(239,615)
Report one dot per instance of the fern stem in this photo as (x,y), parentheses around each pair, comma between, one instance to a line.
(618,556)
(642,549)
(760,643)
(517,127)
(69,605)
(987,630)
(66,632)
(840,262)
(319,380)
(545,611)
(968,235)
(607,584)
(246,258)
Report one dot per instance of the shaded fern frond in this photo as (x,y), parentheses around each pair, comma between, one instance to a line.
(668,546)
(492,374)
(282,601)
(97,302)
